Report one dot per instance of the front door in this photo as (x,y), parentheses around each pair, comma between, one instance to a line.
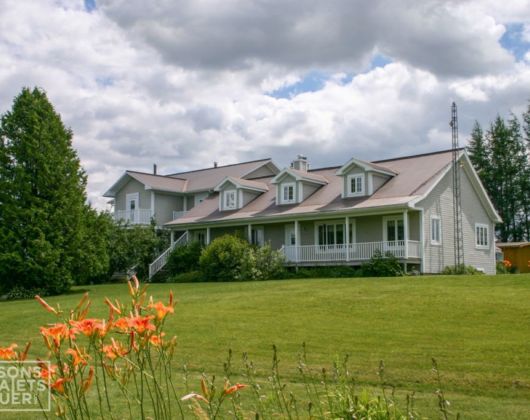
(131,207)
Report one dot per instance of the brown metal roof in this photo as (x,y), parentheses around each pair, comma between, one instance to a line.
(207,179)
(159,182)
(416,175)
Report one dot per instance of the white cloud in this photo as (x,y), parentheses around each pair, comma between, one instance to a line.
(185,83)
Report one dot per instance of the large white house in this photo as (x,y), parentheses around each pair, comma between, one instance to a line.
(327,216)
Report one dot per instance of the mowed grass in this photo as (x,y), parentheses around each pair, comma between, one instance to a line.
(477,328)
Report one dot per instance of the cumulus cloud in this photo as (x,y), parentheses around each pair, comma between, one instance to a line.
(186,83)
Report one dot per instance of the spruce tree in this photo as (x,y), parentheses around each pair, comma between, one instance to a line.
(526,176)
(42,196)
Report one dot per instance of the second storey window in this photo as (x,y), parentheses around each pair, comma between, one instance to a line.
(230,199)
(436,230)
(356,185)
(287,193)
(481,236)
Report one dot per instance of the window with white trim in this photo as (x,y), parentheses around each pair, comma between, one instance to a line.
(355,185)
(334,233)
(436,230)
(229,199)
(287,193)
(482,236)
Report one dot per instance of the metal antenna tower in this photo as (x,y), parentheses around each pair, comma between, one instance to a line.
(457,192)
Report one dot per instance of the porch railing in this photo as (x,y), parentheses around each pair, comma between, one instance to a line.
(361,251)
(178,214)
(161,260)
(135,217)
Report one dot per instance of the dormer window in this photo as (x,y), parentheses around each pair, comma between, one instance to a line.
(229,199)
(355,185)
(288,195)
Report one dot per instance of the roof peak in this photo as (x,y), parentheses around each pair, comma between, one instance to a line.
(218,167)
(151,174)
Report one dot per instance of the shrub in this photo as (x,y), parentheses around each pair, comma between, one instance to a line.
(188,277)
(263,263)
(461,269)
(224,259)
(382,265)
(19,292)
(135,247)
(184,258)
(501,268)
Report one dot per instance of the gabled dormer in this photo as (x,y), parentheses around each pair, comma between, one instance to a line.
(295,184)
(236,193)
(362,178)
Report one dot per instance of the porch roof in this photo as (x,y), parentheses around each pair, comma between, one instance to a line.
(415,176)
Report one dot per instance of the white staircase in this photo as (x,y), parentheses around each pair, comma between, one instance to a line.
(161,260)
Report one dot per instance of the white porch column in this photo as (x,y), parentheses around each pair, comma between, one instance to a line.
(296,237)
(152,203)
(347,237)
(422,227)
(406,232)
(185,203)
(249,233)
(172,237)
(208,235)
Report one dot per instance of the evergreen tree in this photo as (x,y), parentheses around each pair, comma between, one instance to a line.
(526,176)
(478,149)
(42,196)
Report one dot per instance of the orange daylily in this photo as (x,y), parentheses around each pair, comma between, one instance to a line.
(161,309)
(90,327)
(8,353)
(156,340)
(58,385)
(122,324)
(142,324)
(233,388)
(56,332)
(47,372)
(78,358)
(114,350)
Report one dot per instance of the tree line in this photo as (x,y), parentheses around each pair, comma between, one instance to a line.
(50,237)
(500,154)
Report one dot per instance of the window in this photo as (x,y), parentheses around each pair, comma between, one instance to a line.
(256,236)
(481,236)
(355,185)
(201,238)
(394,229)
(333,233)
(436,230)
(287,193)
(230,199)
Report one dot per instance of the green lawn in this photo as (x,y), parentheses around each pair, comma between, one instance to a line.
(477,327)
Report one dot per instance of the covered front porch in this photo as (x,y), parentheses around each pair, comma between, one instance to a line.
(347,240)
